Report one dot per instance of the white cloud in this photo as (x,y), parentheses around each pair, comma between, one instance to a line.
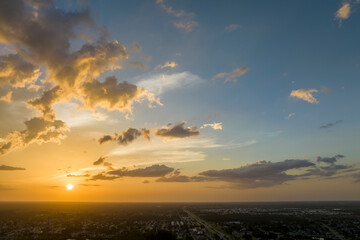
(290,115)
(215,126)
(158,151)
(160,83)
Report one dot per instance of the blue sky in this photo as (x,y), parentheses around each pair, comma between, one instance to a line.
(273,53)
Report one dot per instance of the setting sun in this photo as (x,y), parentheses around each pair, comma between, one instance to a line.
(69,187)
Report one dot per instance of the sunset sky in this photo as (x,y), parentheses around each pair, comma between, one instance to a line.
(179,100)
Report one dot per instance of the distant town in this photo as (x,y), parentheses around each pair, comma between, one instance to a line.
(197,221)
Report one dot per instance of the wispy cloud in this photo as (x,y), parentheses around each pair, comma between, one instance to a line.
(231,76)
(343,12)
(161,83)
(166,65)
(328,125)
(231,28)
(184,19)
(305,94)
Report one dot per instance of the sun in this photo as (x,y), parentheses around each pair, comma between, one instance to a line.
(69,187)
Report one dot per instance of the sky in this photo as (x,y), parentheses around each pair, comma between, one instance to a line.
(179,101)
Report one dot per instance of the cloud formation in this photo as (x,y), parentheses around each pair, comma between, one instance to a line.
(127,136)
(7,97)
(10,168)
(161,83)
(259,174)
(231,28)
(38,130)
(343,12)
(17,72)
(329,160)
(166,65)
(305,94)
(140,65)
(231,76)
(100,161)
(114,96)
(328,125)
(151,171)
(215,126)
(177,130)
(184,19)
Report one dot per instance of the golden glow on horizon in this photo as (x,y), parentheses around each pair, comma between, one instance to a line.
(69,187)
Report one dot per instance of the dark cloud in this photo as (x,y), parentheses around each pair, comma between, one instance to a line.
(10,168)
(80,175)
(328,125)
(177,131)
(182,178)
(105,138)
(152,171)
(330,160)
(100,161)
(112,95)
(259,174)
(127,136)
(101,176)
(15,70)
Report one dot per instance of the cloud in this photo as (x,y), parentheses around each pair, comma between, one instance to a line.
(329,160)
(167,65)
(185,20)
(305,94)
(177,130)
(100,161)
(41,34)
(10,168)
(151,171)
(231,76)
(38,130)
(131,134)
(135,47)
(101,176)
(226,159)
(7,97)
(215,126)
(140,65)
(16,71)
(343,12)
(105,138)
(331,167)
(159,151)
(259,174)
(80,175)
(356,177)
(328,125)
(112,95)
(127,136)
(231,28)
(161,83)
(290,115)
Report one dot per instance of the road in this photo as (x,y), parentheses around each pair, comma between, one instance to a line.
(207,226)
